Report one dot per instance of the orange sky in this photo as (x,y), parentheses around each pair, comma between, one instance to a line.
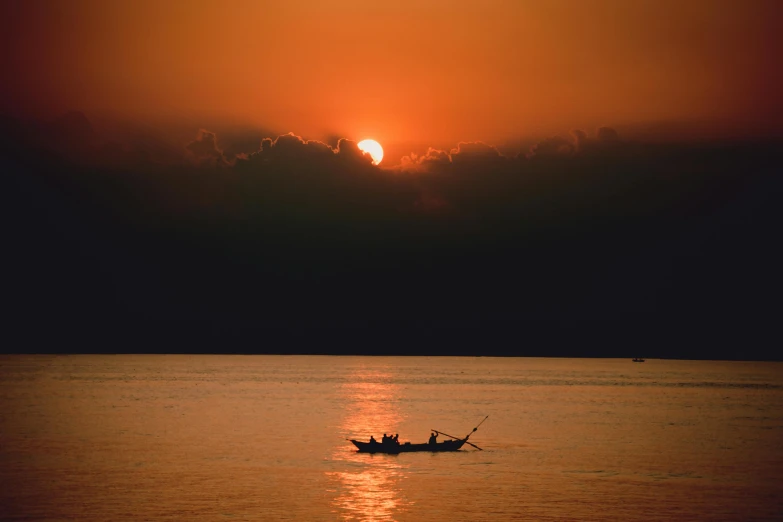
(427,70)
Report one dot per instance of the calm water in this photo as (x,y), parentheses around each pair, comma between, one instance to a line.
(263,438)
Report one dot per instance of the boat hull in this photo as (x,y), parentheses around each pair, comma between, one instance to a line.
(370,447)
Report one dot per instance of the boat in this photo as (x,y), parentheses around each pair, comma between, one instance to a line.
(392,447)
(638,359)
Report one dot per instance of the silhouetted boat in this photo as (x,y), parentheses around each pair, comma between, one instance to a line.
(393,447)
(638,360)
(379,447)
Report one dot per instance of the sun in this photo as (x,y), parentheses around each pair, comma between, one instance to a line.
(373,148)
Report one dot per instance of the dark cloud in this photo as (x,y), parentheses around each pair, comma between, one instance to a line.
(146,144)
(349,151)
(580,139)
(303,234)
(292,151)
(205,151)
(607,134)
(606,138)
(238,140)
(289,146)
(433,159)
(464,155)
(554,146)
(429,202)
(476,153)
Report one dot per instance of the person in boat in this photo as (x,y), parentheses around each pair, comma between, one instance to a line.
(394,439)
(372,440)
(384,439)
(434,438)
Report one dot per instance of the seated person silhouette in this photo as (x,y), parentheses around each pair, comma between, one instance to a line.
(372,440)
(433,438)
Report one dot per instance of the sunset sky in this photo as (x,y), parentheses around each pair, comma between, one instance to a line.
(426,71)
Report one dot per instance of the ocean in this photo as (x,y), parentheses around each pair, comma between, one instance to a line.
(203,438)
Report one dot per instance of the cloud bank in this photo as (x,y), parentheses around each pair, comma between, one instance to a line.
(295,234)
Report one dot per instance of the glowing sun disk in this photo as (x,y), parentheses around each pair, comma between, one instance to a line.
(373,148)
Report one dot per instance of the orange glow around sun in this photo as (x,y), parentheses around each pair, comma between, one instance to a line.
(373,148)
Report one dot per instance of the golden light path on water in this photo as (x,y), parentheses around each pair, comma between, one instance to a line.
(370,487)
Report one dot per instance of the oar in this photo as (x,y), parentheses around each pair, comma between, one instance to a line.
(477,426)
(468,435)
(453,437)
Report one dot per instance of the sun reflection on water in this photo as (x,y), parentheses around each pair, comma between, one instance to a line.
(368,487)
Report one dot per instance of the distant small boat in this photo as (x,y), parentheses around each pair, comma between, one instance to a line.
(393,448)
(638,360)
